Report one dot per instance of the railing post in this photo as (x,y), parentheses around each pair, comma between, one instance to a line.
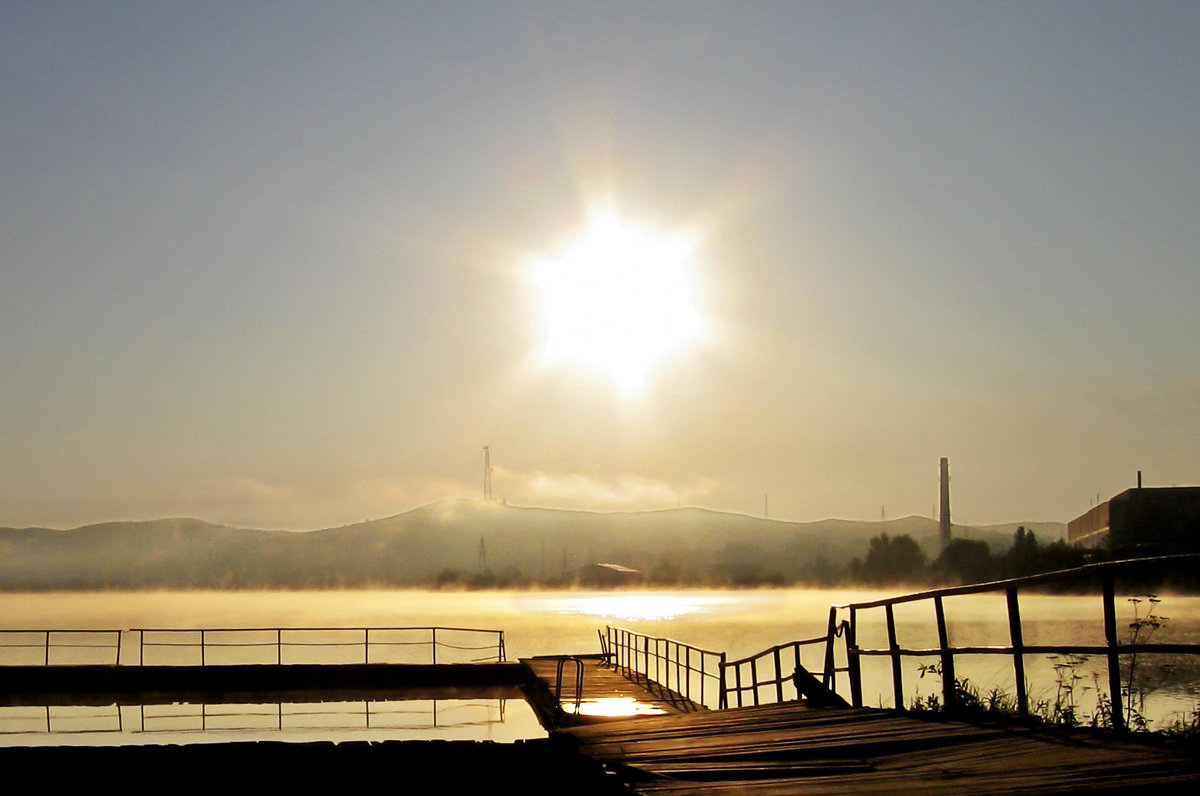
(754,678)
(678,673)
(1114,656)
(141,648)
(894,646)
(366,645)
(202,648)
(687,674)
(646,656)
(723,699)
(1017,641)
(118,663)
(46,654)
(799,665)
(433,643)
(829,676)
(778,677)
(278,646)
(658,659)
(853,664)
(949,695)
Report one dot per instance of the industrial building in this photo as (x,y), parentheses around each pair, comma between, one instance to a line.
(1142,521)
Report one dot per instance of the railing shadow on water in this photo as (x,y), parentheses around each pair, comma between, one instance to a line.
(242,646)
(778,674)
(277,717)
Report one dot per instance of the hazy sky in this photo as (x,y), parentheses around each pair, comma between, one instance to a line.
(273,264)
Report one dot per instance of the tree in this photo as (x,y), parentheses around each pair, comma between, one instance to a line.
(965,561)
(893,560)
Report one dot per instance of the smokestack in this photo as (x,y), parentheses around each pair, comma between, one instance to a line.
(944,513)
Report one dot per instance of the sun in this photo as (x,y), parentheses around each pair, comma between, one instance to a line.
(618,300)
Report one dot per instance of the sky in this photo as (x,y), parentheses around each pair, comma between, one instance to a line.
(283,265)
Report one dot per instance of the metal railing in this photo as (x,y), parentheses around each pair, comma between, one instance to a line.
(222,646)
(781,671)
(234,646)
(694,673)
(59,647)
(1104,575)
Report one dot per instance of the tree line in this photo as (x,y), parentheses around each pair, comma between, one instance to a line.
(899,559)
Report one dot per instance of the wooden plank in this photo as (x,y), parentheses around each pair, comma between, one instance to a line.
(600,683)
(786,749)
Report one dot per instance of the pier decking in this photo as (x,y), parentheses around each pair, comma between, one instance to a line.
(578,689)
(788,748)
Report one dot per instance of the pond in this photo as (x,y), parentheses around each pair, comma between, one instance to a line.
(738,622)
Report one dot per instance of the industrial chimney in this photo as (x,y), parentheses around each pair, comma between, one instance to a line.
(944,513)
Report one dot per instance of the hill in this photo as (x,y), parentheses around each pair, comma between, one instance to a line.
(452,536)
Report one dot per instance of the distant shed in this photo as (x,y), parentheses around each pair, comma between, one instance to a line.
(608,575)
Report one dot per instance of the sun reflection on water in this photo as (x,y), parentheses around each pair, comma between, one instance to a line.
(636,606)
(613,706)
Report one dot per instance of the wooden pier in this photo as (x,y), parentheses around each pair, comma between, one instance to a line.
(795,747)
(568,690)
(789,748)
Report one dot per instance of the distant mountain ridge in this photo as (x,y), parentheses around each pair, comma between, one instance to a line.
(462,535)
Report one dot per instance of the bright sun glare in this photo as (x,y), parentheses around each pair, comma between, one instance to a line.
(618,300)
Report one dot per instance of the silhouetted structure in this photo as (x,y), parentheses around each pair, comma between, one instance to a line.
(944,508)
(1142,521)
(608,575)
(487,473)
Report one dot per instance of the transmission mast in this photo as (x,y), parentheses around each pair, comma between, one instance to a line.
(487,473)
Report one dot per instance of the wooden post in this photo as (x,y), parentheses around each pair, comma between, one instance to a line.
(46,661)
(1114,656)
(1018,644)
(897,674)
(646,655)
(779,677)
(278,646)
(118,656)
(687,674)
(366,645)
(754,678)
(799,665)
(852,662)
(202,648)
(433,643)
(723,700)
(678,670)
(949,695)
(828,676)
